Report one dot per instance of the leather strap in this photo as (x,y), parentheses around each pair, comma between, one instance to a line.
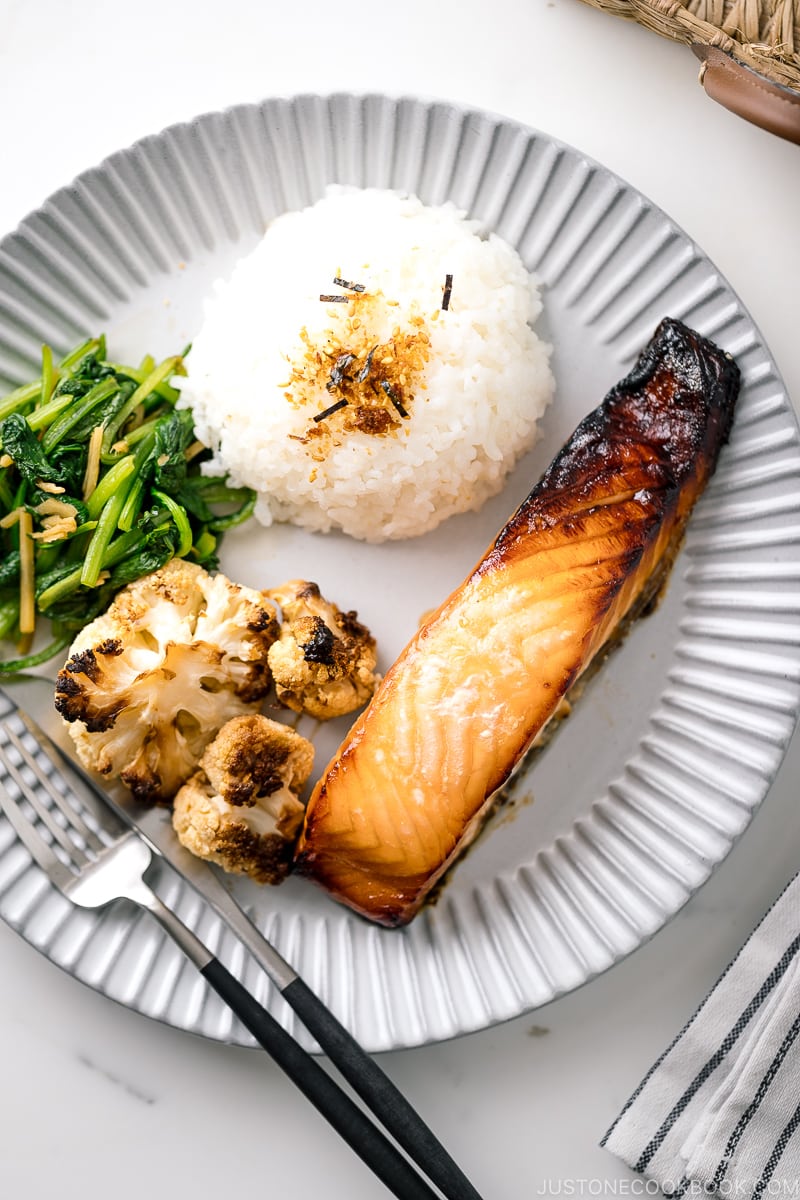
(748,94)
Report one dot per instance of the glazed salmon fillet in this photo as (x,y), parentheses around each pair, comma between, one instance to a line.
(477,684)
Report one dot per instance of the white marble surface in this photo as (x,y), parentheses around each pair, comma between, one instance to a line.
(97,1102)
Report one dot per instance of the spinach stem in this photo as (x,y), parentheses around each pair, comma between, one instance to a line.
(132,506)
(9,615)
(12,665)
(141,373)
(235,518)
(68,420)
(19,398)
(106,524)
(40,418)
(181,520)
(58,590)
(158,375)
(49,376)
(109,485)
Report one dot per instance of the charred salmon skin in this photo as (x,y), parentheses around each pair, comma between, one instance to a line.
(414,779)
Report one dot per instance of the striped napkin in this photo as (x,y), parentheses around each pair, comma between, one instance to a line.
(719,1112)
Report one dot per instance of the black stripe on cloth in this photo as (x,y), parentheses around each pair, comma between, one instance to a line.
(712,1063)
(635,1094)
(775,1157)
(748,1114)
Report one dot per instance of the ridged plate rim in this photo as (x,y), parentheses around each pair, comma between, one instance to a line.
(639,848)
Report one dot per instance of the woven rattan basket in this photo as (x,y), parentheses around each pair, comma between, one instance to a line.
(750,51)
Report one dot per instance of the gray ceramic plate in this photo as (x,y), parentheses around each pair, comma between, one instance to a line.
(673,745)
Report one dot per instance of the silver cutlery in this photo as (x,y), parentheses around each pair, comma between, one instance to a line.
(96,847)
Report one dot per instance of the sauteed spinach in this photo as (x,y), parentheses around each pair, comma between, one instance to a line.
(100,483)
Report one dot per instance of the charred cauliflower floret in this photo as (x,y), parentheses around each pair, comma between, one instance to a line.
(241,808)
(323,663)
(148,684)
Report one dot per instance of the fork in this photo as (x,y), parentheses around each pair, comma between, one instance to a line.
(383,1099)
(95,863)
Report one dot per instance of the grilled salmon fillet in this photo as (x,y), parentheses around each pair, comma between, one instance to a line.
(414,779)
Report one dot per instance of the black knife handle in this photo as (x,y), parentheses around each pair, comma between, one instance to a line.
(349,1121)
(382,1097)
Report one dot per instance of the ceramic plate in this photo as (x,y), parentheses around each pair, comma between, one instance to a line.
(674,743)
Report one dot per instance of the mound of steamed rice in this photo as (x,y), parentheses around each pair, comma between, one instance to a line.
(470,409)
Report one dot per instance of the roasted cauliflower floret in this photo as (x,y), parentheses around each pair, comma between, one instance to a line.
(241,809)
(150,682)
(323,663)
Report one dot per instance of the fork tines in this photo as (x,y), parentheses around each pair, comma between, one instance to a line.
(23,778)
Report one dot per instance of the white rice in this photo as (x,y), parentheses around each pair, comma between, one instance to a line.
(472,411)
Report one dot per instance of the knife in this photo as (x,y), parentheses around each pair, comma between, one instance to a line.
(34,694)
